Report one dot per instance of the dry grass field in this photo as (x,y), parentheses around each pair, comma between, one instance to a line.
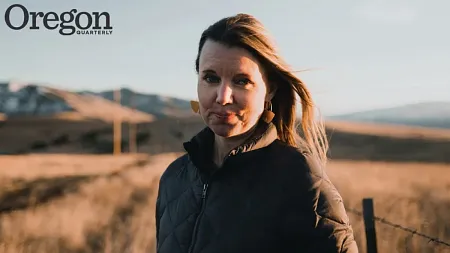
(90,203)
(78,203)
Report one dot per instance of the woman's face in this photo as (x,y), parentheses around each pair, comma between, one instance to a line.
(231,89)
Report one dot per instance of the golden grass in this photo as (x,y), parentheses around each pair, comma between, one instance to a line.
(65,203)
(35,166)
(98,210)
(389,130)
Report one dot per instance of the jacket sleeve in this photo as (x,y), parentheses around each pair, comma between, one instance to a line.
(331,230)
(316,219)
(157,214)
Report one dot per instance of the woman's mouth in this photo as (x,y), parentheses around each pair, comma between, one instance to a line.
(223,116)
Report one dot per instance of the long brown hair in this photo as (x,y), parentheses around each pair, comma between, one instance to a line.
(245,31)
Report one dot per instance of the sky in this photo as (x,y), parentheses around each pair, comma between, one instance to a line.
(360,55)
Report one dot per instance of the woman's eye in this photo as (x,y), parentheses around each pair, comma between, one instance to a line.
(211,79)
(243,81)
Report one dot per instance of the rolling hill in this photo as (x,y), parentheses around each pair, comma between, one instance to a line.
(429,114)
(37,101)
(157,105)
(40,100)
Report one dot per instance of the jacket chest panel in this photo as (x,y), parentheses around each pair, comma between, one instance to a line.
(238,211)
(241,213)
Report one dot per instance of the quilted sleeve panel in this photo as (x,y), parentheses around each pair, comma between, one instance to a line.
(332,229)
(316,219)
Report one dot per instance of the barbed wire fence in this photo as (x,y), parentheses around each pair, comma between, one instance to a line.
(369,218)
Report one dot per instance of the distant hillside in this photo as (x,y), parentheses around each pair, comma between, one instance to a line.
(36,100)
(40,101)
(432,114)
(157,105)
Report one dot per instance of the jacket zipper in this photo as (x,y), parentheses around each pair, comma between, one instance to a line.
(197,222)
(202,208)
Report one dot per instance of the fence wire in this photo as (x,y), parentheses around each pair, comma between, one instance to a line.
(398,226)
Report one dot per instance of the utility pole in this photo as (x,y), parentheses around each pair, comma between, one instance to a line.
(117,125)
(132,128)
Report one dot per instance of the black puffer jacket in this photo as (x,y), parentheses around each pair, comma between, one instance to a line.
(267,197)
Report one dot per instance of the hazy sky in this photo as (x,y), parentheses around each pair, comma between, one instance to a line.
(363,54)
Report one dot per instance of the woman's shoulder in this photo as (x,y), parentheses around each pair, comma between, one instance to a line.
(305,176)
(308,189)
(297,160)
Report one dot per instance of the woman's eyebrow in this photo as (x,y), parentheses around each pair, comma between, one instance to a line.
(209,71)
(242,74)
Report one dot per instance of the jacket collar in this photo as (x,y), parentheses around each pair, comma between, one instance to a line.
(200,147)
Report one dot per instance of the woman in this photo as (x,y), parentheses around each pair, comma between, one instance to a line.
(248,182)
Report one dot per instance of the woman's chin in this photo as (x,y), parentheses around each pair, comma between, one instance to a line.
(223,130)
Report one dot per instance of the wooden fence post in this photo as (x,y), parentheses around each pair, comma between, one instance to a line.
(117,138)
(369,223)
(132,128)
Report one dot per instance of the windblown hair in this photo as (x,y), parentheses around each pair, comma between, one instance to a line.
(245,31)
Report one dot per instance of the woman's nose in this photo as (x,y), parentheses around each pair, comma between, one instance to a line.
(224,94)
